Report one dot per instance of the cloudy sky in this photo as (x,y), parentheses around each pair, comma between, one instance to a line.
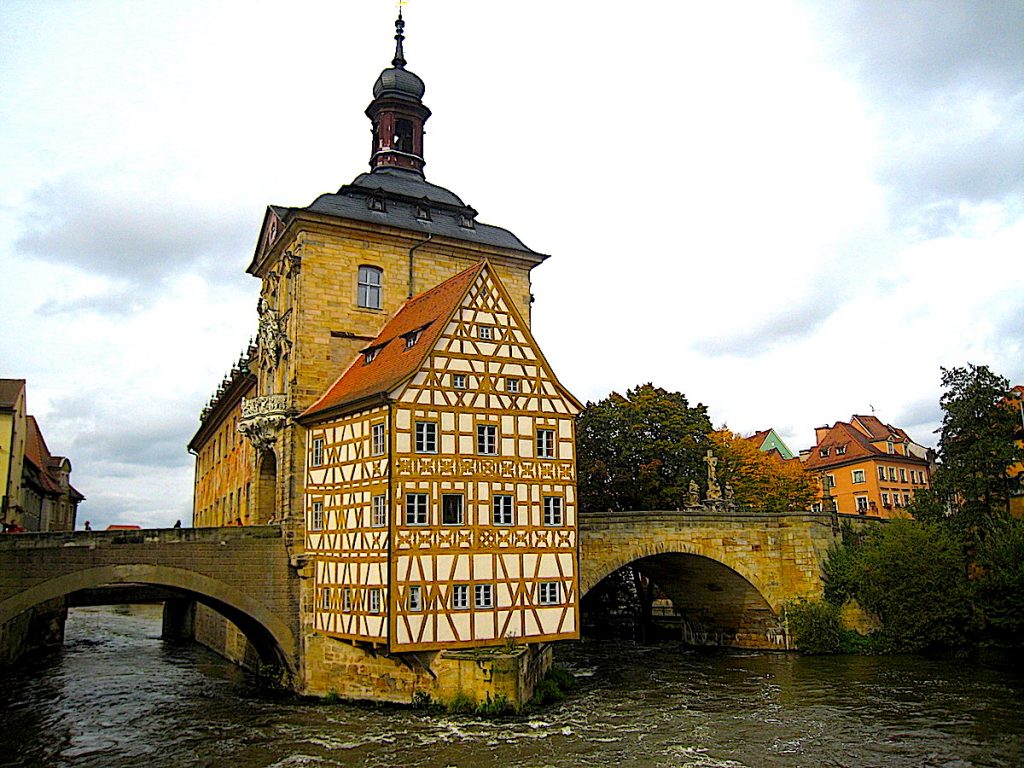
(790,211)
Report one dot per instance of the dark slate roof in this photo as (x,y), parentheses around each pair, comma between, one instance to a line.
(403,192)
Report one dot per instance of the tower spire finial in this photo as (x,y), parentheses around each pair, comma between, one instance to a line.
(399,60)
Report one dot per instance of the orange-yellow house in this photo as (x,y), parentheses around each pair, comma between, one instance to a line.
(871,468)
(1017,500)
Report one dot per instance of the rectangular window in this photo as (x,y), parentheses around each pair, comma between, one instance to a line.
(896,499)
(552,510)
(550,593)
(317,524)
(823,452)
(415,598)
(483,332)
(512,385)
(545,443)
(378,441)
(903,475)
(885,499)
(346,599)
(415,509)
(891,448)
(858,476)
(411,339)
(426,437)
(369,287)
(459,380)
(881,473)
(483,596)
(906,499)
(892,474)
(840,450)
(379,511)
(318,451)
(862,504)
(831,480)
(451,509)
(486,439)
(325,598)
(460,597)
(375,600)
(502,510)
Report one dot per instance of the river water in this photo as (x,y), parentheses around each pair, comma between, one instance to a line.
(118,696)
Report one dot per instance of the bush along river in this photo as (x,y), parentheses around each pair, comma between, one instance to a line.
(118,696)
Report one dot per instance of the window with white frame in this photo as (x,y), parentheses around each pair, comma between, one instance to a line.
(411,339)
(484,332)
(459,380)
(550,593)
(346,599)
(486,439)
(881,473)
(896,499)
(370,354)
(452,509)
(892,474)
(831,480)
(426,437)
(545,443)
(858,476)
(862,504)
(890,447)
(483,596)
(379,511)
(903,475)
(375,601)
(416,509)
(325,598)
(885,499)
(414,598)
(318,452)
(906,499)
(378,439)
(823,452)
(460,596)
(552,510)
(370,281)
(840,450)
(317,523)
(501,509)
(512,385)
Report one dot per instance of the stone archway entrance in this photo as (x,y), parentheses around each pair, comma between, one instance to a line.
(266,489)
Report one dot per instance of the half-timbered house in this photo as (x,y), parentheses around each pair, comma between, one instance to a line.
(440,480)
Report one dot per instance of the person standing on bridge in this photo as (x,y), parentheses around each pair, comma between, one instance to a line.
(88,525)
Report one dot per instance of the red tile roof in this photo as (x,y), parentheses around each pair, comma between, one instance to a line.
(10,391)
(858,446)
(429,313)
(759,437)
(877,430)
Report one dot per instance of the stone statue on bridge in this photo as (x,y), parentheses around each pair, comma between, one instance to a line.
(714,492)
(694,500)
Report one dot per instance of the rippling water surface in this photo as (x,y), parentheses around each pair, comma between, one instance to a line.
(118,696)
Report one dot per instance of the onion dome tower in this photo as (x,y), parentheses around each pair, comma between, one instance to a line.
(398,113)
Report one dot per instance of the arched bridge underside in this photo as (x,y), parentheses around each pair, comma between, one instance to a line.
(242,573)
(727,573)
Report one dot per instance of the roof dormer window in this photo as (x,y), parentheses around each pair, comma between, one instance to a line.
(466,221)
(422,211)
(823,452)
(376,203)
(840,450)
(370,354)
(411,339)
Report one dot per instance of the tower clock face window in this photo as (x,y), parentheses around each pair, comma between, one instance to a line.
(370,282)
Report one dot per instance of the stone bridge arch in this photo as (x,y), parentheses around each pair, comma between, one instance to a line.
(270,636)
(728,573)
(244,574)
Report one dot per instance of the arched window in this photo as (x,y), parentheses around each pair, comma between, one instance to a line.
(370,279)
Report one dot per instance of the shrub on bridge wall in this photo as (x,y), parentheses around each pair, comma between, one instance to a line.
(815,626)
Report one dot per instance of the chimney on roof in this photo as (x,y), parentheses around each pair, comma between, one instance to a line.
(819,433)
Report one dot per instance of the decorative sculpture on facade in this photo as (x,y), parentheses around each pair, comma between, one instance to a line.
(273,334)
(262,417)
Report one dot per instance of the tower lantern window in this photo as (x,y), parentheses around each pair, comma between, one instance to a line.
(403,135)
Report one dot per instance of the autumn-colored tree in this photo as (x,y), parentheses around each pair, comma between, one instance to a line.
(641,450)
(763,481)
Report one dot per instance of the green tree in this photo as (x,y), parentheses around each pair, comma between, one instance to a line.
(999,587)
(640,451)
(911,575)
(976,447)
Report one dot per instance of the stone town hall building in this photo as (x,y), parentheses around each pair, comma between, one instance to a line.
(397,417)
